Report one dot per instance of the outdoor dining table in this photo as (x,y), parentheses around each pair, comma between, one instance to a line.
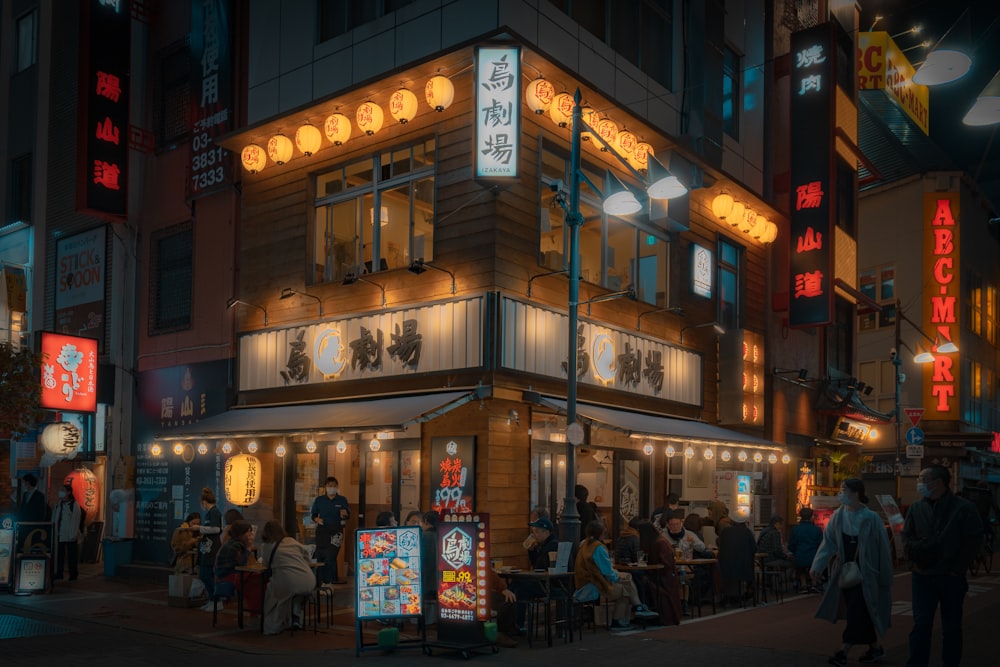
(688,565)
(549,581)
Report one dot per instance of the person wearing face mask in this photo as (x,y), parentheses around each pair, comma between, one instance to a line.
(210,530)
(856,533)
(330,512)
(67,520)
(941,536)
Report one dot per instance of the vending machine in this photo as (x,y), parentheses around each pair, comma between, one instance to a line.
(733,489)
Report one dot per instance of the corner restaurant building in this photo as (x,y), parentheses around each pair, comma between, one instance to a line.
(403,312)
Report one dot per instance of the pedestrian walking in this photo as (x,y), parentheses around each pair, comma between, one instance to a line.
(860,582)
(941,536)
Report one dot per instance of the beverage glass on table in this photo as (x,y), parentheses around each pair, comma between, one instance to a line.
(641,557)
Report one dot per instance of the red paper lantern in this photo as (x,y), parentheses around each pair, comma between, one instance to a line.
(86,491)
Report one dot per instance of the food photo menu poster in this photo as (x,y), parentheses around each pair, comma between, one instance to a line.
(388,567)
(463,556)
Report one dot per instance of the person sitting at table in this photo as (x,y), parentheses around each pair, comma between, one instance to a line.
(627,545)
(681,538)
(594,576)
(769,542)
(385,520)
(692,524)
(231,516)
(236,553)
(291,579)
(663,585)
(540,544)
(184,542)
(504,602)
(414,518)
(804,543)
(736,558)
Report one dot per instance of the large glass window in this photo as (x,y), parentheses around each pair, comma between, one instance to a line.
(26,53)
(730,278)
(339,16)
(375,214)
(879,285)
(172,108)
(615,253)
(20,202)
(170,279)
(731,92)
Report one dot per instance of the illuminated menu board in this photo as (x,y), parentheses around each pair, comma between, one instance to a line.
(388,567)
(463,556)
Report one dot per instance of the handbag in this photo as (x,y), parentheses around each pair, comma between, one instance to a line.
(850,574)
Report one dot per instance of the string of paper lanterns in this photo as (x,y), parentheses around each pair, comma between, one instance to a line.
(739,215)
(439,92)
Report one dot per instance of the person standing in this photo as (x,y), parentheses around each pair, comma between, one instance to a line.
(68,522)
(330,512)
(33,506)
(941,536)
(662,514)
(856,534)
(208,548)
(804,543)
(736,559)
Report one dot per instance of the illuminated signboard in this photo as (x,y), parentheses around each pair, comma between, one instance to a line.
(882,66)
(851,430)
(211,95)
(81,263)
(104,126)
(69,373)
(498,111)
(942,304)
(812,98)
(453,475)
(388,569)
(702,270)
(463,559)
(31,574)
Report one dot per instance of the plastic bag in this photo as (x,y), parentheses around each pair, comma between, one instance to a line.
(197,589)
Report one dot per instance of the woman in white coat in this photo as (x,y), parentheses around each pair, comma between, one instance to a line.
(855,533)
(291,581)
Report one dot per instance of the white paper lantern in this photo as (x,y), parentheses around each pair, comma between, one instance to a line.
(439,92)
(242,479)
(337,128)
(279,149)
(254,158)
(561,109)
(403,105)
(308,139)
(539,95)
(369,117)
(61,440)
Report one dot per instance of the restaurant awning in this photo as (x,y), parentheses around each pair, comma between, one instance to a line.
(379,414)
(644,425)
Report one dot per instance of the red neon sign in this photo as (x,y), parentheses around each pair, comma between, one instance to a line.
(940,313)
(69,373)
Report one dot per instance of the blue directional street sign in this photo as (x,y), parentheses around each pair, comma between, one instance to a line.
(914,435)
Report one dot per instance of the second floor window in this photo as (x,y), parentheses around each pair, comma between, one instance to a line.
(615,253)
(730,279)
(20,200)
(731,92)
(26,54)
(878,284)
(375,214)
(171,279)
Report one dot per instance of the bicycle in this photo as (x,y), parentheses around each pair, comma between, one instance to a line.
(983,559)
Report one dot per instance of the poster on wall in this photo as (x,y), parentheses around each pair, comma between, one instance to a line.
(463,558)
(81,269)
(152,504)
(453,475)
(388,572)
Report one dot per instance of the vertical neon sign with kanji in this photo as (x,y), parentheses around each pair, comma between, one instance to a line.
(810,257)
(452,475)
(498,111)
(106,35)
(463,558)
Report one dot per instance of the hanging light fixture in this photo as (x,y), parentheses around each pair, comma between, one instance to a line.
(748,221)
(590,117)
(337,128)
(639,157)
(626,143)
(561,109)
(369,117)
(178,448)
(670,451)
(663,184)
(986,110)
(341,446)
(947,62)
(439,92)
(726,456)
(769,233)
(647,449)
(254,158)
(538,95)
(709,454)
(227,447)
(279,148)
(722,205)
(155,450)
(757,457)
(252,447)
(242,479)
(280,451)
(308,139)
(689,452)
(202,448)
(311,446)
(618,199)
(772,458)
(403,105)
(742,456)
(786,459)
(736,214)
(608,131)
(375,445)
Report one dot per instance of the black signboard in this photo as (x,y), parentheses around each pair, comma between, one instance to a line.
(813,95)
(453,475)
(211,95)
(104,126)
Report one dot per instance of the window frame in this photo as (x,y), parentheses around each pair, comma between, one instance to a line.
(157,322)
(20,201)
(732,72)
(738,270)
(887,316)
(19,65)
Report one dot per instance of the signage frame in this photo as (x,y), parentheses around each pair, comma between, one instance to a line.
(495,88)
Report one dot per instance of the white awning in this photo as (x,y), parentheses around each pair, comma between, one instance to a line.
(644,425)
(380,414)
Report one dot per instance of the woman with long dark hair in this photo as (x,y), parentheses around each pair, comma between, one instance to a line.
(855,534)
(664,584)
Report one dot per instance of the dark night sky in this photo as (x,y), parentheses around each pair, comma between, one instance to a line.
(976,149)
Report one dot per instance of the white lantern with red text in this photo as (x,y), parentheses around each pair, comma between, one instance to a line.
(242,479)
(639,157)
(608,131)
(369,118)
(439,92)
(403,105)
(308,139)
(337,128)
(279,149)
(539,95)
(561,109)
(254,158)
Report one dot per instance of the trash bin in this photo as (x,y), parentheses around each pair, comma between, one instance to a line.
(116,552)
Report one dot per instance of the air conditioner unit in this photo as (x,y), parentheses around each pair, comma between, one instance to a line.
(763,509)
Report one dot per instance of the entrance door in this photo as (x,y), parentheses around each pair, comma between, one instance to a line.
(631,489)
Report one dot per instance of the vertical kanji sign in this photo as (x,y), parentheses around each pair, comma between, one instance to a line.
(453,475)
(498,111)
(463,558)
(211,94)
(104,124)
(812,93)
(69,373)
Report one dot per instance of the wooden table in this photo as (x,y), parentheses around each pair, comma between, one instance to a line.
(564,581)
(688,564)
(635,567)
(244,570)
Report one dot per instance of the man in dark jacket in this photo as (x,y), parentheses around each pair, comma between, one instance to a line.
(803,543)
(33,506)
(941,536)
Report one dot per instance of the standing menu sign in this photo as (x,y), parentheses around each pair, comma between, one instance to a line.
(388,566)
(453,475)
(6,552)
(463,558)
(32,574)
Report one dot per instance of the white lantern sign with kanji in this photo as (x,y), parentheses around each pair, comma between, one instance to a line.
(242,480)
(61,441)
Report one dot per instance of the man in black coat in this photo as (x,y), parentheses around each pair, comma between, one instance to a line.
(33,506)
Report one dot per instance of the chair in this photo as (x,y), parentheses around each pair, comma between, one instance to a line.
(321,597)
(224,590)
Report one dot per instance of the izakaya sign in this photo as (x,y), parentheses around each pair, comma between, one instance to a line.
(498,111)
(69,373)
(811,257)
(942,303)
